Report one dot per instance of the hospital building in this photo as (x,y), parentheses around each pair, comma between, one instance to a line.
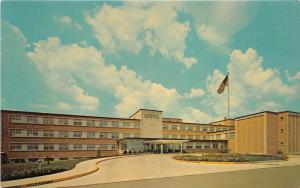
(29,136)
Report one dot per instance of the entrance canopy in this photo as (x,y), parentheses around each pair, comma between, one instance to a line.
(166,141)
(162,142)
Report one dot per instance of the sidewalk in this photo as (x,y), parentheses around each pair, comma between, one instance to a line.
(81,169)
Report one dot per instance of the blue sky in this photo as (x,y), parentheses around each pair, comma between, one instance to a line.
(112,58)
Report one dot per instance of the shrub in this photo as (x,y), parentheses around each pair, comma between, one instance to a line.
(31,173)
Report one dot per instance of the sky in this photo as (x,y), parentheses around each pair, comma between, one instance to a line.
(113,58)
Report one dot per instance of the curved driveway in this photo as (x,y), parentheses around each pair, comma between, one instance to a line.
(157,166)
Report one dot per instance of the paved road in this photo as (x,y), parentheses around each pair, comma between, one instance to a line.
(158,166)
(277,177)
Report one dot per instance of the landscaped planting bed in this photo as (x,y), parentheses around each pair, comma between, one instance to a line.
(13,171)
(228,157)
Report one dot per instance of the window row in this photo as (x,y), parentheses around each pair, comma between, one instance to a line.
(69,134)
(75,122)
(151,116)
(191,137)
(59,147)
(193,128)
(205,145)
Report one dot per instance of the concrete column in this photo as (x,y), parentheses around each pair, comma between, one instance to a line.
(180,147)
(173,148)
(155,146)
(161,149)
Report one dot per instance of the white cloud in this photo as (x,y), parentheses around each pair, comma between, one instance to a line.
(292,78)
(194,115)
(217,22)
(64,64)
(63,106)
(195,92)
(251,85)
(210,35)
(58,63)
(136,25)
(66,21)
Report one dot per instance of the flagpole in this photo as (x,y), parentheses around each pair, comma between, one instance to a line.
(228,97)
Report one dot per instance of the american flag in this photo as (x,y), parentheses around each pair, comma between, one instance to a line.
(223,85)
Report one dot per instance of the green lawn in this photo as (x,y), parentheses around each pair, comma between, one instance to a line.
(228,157)
(14,171)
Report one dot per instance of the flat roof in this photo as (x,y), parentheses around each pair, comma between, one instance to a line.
(253,114)
(70,115)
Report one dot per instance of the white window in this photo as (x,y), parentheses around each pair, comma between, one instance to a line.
(126,124)
(189,146)
(190,128)
(115,124)
(91,134)
(15,147)
(77,122)
(63,147)
(63,134)
(174,127)
(32,132)
(198,146)
(90,123)
(48,120)
(103,135)
(190,136)
(104,146)
(231,135)
(174,136)
(215,145)
(136,135)
(126,135)
(182,136)
(32,147)
(48,133)
(113,146)
(204,129)
(48,147)
(14,117)
(218,137)
(77,134)
(115,135)
(211,129)
(32,119)
(91,147)
(207,145)
(103,123)
(15,132)
(63,121)
(165,127)
(166,136)
(136,125)
(77,147)
(182,127)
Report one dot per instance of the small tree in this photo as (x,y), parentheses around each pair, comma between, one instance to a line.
(98,153)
